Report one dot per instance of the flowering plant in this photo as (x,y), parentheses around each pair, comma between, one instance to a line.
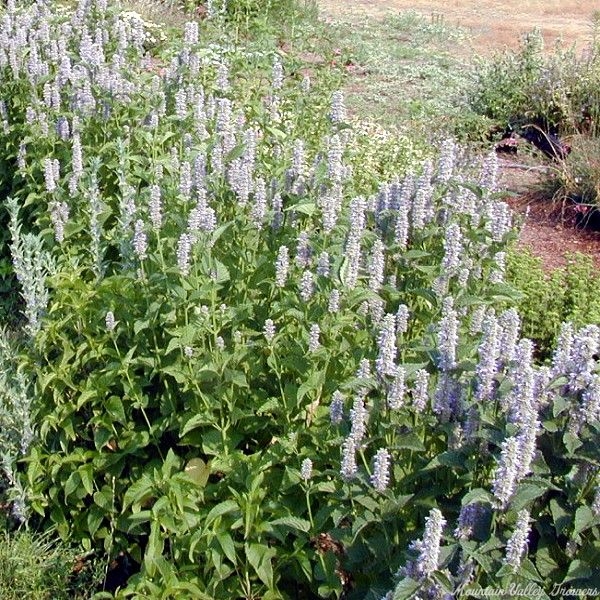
(257,375)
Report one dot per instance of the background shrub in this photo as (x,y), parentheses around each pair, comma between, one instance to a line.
(558,89)
(549,299)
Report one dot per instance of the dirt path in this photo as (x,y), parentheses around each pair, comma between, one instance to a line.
(493,24)
(549,231)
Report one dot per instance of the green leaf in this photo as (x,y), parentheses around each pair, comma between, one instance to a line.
(527,492)
(114,407)
(560,516)
(577,570)
(176,372)
(95,517)
(237,378)
(405,589)
(528,571)
(195,422)
(560,405)
(228,547)
(104,498)
(571,442)
(477,495)
(234,153)
(546,565)
(584,519)
(410,441)
(139,492)
(292,523)
(306,208)
(72,484)
(259,556)
(228,506)
(85,396)
(86,472)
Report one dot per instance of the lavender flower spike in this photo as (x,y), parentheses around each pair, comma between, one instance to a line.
(505,479)
(336,408)
(381,470)
(385,364)
(348,469)
(517,544)
(429,555)
(282,266)
(448,335)
(306,469)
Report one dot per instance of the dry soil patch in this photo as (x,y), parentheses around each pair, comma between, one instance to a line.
(493,24)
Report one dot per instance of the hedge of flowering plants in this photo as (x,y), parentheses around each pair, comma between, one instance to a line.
(249,370)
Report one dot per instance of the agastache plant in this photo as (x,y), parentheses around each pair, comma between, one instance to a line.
(246,304)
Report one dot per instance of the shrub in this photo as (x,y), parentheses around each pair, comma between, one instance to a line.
(557,89)
(576,180)
(567,294)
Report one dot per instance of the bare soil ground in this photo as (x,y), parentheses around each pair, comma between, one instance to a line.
(550,230)
(493,24)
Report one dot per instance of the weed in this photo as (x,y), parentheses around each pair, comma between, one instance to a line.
(40,567)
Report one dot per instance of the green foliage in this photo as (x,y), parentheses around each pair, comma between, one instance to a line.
(549,299)
(218,414)
(254,15)
(39,567)
(559,88)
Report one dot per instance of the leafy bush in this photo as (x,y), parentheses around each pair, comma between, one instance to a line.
(257,374)
(567,294)
(557,89)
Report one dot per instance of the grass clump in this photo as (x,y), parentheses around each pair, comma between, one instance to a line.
(40,567)
(576,180)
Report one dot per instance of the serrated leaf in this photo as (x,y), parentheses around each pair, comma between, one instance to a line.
(409,441)
(578,570)
(85,396)
(228,547)
(405,589)
(271,405)
(526,493)
(306,208)
(87,478)
(73,482)
(259,556)
(195,422)
(571,442)
(544,562)
(292,523)
(584,519)
(561,518)
(228,506)
(477,495)
(114,407)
